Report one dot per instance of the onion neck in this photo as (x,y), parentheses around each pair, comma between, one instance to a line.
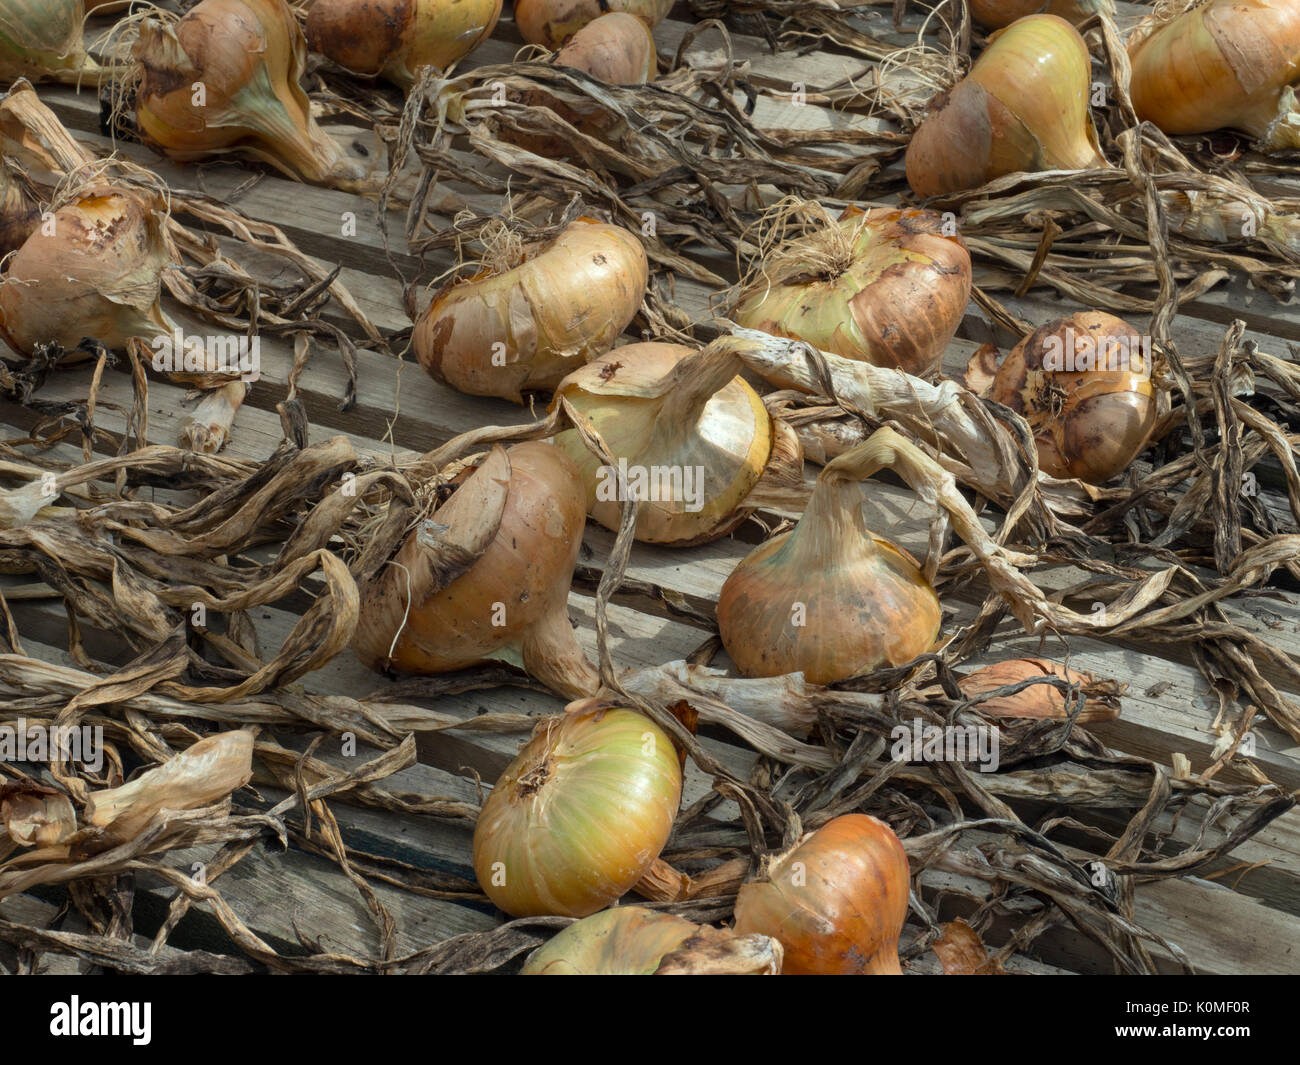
(1278,128)
(552,655)
(696,380)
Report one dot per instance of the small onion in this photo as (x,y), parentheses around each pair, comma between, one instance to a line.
(695,438)
(1089,421)
(828,599)
(486,576)
(633,941)
(836,901)
(1222,64)
(1022,107)
(1037,700)
(248,57)
(579,816)
(42,40)
(552,22)
(998,13)
(616,48)
(889,287)
(500,334)
(393,39)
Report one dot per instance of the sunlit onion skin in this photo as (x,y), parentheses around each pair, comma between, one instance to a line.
(512,531)
(829,599)
(95,272)
(1091,423)
(633,941)
(1227,64)
(897,304)
(577,818)
(998,13)
(249,56)
(523,330)
(394,38)
(1022,107)
(666,407)
(836,902)
(552,22)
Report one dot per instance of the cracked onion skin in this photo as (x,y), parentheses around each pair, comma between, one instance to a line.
(836,902)
(394,38)
(565,304)
(1088,424)
(1024,106)
(552,22)
(1226,64)
(579,816)
(896,305)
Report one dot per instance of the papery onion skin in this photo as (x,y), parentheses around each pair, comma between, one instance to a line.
(616,48)
(897,305)
(526,567)
(560,308)
(1224,64)
(394,38)
(836,902)
(552,22)
(1088,424)
(996,14)
(578,817)
(1023,107)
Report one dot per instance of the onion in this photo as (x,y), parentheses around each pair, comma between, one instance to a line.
(633,941)
(998,13)
(394,38)
(42,39)
(579,816)
(552,22)
(1022,107)
(20,209)
(693,438)
(836,901)
(96,272)
(1088,421)
(486,576)
(883,286)
(503,333)
(248,55)
(1224,64)
(828,599)
(1037,700)
(616,48)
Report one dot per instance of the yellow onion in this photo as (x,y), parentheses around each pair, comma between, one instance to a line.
(1084,385)
(504,333)
(829,598)
(1225,64)
(42,39)
(692,438)
(1022,107)
(836,901)
(486,577)
(552,22)
(998,13)
(1038,700)
(94,272)
(579,816)
(883,286)
(616,48)
(394,38)
(248,57)
(633,941)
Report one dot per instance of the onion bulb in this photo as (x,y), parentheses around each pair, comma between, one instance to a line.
(836,901)
(634,941)
(829,598)
(1037,700)
(1084,385)
(486,576)
(20,209)
(998,13)
(1225,64)
(521,329)
(883,286)
(225,79)
(552,22)
(692,438)
(394,38)
(95,271)
(579,816)
(42,40)
(616,48)
(1022,107)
